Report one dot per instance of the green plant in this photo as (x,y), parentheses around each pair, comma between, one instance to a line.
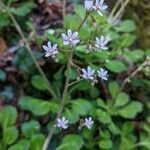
(120,117)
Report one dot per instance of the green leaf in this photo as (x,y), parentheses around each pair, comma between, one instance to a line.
(58,75)
(39,83)
(127,128)
(71,115)
(131,110)
(37,106)
(105,134)
(0,145)
(127,142)
(81,106)
(127,26)
(24,9)
(72,141)
(11,1)
(80,11)
(24,143)
(103,116)
(4,19)
(114,89)
(115,66)
(135,55)
(105,143)
(37,142)
(85,33)
(8,116)
(94,92)
(126,40)
(71,22)
(30,128)
(113,128)
(121,100)
(144,141)
(96,56)
(16,147)
(10,135)
(81,86)
(101,103)
(72,74)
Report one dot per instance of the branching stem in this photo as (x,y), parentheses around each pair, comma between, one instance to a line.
(64,95)
(145,63)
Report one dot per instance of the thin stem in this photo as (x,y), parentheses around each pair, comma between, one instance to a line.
(114,9)
(52,131)
(146,62)
(64,95)
(138,145)
(74,65)
(86,16)
(120,10)
(50,89)
(64,9)
(72,83)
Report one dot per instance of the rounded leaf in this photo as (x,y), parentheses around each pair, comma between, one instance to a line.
(116,66)
(30,128)
(10,135)
(131,110)
(121,99)
(37,142)
(8,116)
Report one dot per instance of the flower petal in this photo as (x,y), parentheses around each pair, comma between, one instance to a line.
(49,44)
(45,48)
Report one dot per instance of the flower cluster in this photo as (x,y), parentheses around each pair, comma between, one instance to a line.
(71,38)
(99,5)
(90,74)
(63,123)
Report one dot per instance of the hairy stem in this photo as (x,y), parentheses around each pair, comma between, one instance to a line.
(19,30)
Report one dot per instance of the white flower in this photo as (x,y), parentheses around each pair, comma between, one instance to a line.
(88,4)
(102,42)
(62,123)
(100,5)
(103,74)
(88,122)
(88,73)
(50,50)
(71,38)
